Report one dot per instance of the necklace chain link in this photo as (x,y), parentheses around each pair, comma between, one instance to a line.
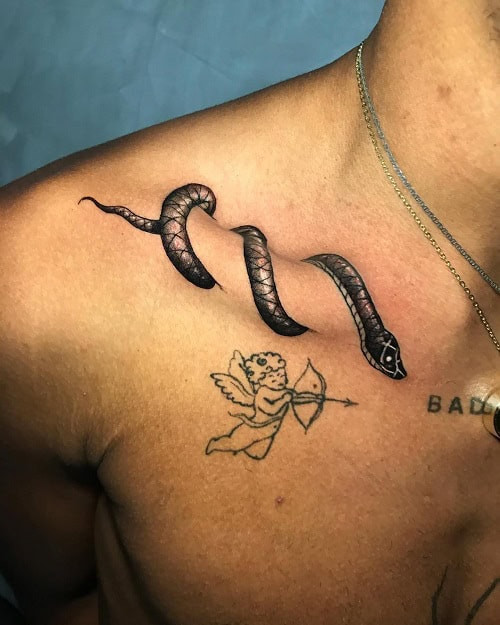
(368,116)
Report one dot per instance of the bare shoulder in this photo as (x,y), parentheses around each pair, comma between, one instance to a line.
(81,305)
(182,360)
(77,286)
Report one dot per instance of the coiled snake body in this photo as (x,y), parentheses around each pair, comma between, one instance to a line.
(378,345)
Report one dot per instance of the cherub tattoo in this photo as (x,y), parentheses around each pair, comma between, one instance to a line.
(378,345)
(258,387)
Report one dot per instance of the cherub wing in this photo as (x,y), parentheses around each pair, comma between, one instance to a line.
(235,386)
(232,389)
(237,370)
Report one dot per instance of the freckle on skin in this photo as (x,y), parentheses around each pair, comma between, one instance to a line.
(444,91)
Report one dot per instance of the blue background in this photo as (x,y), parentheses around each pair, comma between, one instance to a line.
(74,73)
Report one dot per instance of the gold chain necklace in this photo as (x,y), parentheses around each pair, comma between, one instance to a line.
(426,232)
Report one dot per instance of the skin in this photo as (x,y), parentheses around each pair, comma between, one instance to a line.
(106,403)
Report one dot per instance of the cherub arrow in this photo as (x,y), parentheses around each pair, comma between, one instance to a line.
(310,390)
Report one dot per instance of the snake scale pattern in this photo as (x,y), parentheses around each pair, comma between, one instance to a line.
(378,345)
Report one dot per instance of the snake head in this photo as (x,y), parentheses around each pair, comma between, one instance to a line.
(388,357)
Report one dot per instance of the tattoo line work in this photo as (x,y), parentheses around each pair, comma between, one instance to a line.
(378,345)
(475,608)
(462,405)
(258,387)
(488,409)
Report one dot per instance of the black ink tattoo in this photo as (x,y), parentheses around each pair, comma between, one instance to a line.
(474,609)
(488,409)
(378,345)
(460,405)
(261,275)
(258,387)
(435,599)
(171,226)
(480,602)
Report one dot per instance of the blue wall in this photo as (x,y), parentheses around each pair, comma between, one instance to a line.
(74,73)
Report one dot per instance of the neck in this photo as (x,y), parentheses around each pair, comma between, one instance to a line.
(432,73)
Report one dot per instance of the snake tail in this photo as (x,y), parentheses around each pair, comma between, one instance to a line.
(261,276)
(142,223)
(379,346)
(171,226)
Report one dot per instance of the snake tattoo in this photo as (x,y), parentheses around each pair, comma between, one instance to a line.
(378,345)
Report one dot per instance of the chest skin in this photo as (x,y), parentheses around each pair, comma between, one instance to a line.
(356,519)
(353,520)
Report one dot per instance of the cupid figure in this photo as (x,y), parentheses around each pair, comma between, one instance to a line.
(258,386)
